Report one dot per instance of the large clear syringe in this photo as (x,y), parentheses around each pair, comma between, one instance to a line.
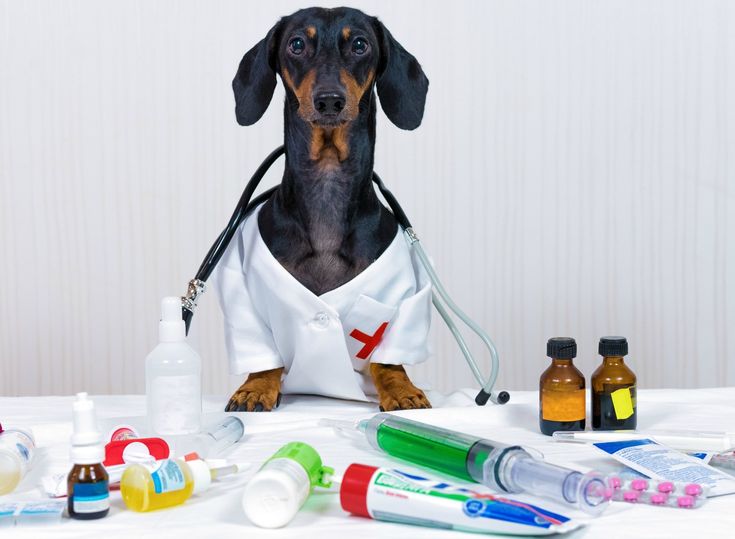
(507,468)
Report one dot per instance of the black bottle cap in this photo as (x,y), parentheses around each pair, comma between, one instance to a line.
(613,346)
(561,348)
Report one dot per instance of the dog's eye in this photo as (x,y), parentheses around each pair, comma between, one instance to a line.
(296,45)
(359,46)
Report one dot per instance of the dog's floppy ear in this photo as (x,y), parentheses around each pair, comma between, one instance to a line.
(401,82)
(256,79)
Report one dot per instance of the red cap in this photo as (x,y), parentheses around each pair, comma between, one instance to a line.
(353,491)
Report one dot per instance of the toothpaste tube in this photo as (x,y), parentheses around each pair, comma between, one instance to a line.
(396,496)
(665,464)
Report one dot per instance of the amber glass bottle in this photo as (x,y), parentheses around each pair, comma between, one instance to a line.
(89,492)
(561,389)
(613,388)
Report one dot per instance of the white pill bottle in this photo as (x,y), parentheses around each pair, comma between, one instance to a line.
(173,377)
(276,493)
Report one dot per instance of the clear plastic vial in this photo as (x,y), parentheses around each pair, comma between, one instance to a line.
(16,453)
(173,377)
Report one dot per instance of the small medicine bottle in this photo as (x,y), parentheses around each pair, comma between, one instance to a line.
(166,483)
(87,483)
(561,389)
(613,388)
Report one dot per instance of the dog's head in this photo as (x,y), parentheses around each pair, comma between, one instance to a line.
(329,60)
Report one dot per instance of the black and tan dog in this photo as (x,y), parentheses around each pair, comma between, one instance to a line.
(325,223)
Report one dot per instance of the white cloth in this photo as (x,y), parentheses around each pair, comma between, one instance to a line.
(324,342)
(218,511)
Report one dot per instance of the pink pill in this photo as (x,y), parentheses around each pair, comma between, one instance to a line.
(666,487)
(693,489)
(639,484)
(614,482)
(608,493)
(631,496)
(659,498)
(685,501)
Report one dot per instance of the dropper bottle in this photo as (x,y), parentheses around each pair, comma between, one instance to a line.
(88,487)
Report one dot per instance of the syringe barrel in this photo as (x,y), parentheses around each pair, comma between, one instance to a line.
(514,470)
(441,449)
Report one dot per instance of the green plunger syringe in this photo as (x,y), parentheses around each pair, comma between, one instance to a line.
(500,466)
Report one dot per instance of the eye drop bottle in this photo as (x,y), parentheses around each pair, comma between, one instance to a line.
(561,389)
(173,377)
(16,453)
(88,487)
(613,388)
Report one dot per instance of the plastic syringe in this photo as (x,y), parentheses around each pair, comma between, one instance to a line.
(503,467)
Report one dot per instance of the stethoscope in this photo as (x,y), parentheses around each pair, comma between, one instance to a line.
(440,298)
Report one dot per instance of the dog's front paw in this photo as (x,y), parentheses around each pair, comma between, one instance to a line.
(259,393)
(395,390)
(406,399)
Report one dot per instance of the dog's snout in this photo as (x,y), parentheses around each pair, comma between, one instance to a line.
(329,103)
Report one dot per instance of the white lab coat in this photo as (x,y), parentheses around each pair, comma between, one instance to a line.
(324,342)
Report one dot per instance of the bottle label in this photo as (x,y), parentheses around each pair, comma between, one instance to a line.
(562,405)
(176,404)
(623,402)
(168,477)
(91,497)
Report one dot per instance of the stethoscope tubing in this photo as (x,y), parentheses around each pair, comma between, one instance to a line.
(439,294)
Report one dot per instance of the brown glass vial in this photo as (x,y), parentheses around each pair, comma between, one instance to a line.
(613,388)
(88,491)
(561,389)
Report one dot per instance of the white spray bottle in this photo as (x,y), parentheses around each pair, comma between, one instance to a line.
(173,377)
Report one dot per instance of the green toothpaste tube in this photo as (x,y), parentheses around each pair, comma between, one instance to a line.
(396,496)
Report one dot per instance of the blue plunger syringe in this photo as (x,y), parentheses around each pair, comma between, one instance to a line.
(506,468)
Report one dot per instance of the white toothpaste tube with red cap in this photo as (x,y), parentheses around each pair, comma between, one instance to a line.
(395,496)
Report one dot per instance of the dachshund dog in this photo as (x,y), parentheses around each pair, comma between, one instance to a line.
(325,223)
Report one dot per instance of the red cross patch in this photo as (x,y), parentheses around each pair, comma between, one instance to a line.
(370,341)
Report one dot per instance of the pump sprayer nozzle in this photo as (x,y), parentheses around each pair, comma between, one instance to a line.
(86,439)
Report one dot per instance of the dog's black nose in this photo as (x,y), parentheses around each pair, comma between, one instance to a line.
(329,103)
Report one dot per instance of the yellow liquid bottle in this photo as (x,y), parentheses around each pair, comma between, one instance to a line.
(166,483)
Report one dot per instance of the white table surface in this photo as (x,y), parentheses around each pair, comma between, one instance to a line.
(218,512)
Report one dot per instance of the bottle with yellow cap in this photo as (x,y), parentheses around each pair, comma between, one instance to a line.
(613,388)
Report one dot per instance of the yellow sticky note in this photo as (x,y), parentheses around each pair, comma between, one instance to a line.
(622,403)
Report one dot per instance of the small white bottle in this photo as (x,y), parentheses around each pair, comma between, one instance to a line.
(16,453)
(173,377)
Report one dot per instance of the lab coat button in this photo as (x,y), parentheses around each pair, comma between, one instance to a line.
(321,320)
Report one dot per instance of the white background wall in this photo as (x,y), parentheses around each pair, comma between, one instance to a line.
(573,176)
